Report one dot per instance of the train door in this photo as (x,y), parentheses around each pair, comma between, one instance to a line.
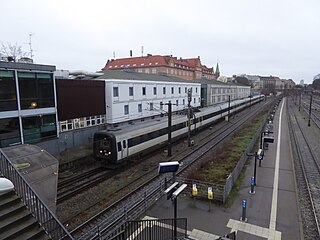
(122,149)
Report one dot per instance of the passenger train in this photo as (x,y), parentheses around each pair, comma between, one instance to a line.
(115,145)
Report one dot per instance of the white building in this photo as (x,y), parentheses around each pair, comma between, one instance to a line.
(132,96)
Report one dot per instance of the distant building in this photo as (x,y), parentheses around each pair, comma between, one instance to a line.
(188,69)
(302,82)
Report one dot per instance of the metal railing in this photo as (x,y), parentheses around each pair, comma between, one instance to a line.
(152,229)
(46,218)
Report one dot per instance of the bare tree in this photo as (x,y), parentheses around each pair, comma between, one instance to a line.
(13,51)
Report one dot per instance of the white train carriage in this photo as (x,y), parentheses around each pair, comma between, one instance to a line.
(113,146)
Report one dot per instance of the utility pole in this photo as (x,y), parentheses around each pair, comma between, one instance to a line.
(310,110)
(169,128)
(299,101)
(229,109)
(189,116)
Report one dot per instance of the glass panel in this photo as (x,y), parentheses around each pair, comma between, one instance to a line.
(8,99)
(38,128)
(9,132)
(36,90)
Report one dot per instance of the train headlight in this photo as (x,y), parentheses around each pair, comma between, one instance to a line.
(109,152)
(100,151)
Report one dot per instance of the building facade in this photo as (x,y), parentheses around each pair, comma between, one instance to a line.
(188,69)
(27,103)
(132,96)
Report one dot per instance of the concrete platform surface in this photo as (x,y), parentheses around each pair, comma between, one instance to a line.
(272,212)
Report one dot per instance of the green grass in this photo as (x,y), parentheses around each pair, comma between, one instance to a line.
(225,159)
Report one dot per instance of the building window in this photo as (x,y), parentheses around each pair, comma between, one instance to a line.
(196,89)
(177,102)
(9,132)
(130,91)
(154,71)
(154,90)
(183,102)
(39,128)
(115,91)
(144,91)
(151,106)
(172,90)
(126,109)
(139,107)
(8,96)
(194,100)
(164,90)
(185,90)
(161,105)
(147,71)
(36,90)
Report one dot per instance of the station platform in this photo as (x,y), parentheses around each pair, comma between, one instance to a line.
(272,212)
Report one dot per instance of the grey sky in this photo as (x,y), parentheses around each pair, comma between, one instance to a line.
(263,37)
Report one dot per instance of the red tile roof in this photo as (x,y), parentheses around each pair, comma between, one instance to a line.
(154,61)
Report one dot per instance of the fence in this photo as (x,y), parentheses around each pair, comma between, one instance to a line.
(39,210)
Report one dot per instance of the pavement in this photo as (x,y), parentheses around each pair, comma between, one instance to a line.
(271,212)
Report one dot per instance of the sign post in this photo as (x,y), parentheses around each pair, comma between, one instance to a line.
(244,211)
(210,197)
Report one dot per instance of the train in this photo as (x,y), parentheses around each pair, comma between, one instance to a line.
(113,146)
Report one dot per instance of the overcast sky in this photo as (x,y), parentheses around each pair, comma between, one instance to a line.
(262,37)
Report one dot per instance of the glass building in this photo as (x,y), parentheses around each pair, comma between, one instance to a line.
(27,103)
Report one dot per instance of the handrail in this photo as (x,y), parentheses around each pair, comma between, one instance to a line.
(46,218)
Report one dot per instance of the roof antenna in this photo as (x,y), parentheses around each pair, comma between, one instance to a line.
(142,51)
(30,45)
(114,55)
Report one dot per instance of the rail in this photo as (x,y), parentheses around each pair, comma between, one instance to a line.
(36,206)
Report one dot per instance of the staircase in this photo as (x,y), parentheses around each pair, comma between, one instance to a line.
(16,222)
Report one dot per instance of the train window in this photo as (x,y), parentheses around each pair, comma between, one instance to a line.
(119,146)
(124,144)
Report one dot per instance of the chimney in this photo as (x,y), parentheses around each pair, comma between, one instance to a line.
(130,53)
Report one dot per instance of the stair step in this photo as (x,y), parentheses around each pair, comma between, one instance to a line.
(34,233)
(18,228)
(8,200)
(9,210)
(15,219)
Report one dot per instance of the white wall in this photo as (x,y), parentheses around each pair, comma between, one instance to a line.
(115,105)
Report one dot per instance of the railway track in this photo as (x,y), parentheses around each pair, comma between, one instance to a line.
(315,109)
(307,171)
(79,183)
(141,197)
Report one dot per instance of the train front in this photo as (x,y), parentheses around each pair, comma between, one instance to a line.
(104,147)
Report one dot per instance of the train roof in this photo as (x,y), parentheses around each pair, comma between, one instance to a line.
(149,124)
